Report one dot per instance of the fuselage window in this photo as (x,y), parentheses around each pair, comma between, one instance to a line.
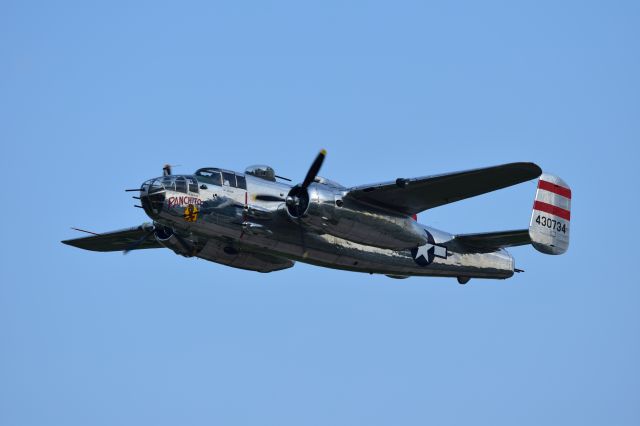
(193,185)
(229,179)
(181,184)
(242,182)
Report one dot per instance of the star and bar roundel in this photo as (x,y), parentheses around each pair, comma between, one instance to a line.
(425,255)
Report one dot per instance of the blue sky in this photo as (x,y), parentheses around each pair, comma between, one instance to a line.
(96,96)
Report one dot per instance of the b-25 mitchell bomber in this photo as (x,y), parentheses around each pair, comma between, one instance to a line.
(257,221)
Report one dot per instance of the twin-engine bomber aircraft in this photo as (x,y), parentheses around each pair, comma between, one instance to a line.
(257,222)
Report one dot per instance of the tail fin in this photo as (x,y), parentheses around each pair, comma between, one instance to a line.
(549,227)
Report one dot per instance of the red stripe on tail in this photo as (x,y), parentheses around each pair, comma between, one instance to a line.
(548,208)
(556,189)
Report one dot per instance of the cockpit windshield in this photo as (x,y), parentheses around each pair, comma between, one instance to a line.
(215,176)
(210,175)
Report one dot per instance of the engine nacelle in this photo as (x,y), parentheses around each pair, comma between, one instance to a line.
(323,209)
(167,238)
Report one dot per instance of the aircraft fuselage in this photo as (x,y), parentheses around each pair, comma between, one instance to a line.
(213,218)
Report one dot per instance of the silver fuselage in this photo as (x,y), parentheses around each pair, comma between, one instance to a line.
(335,232)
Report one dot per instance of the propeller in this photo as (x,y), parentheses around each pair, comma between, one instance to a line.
(314,169)
(166,169)
(138,243)
(161,232)
(185,245)
(298,198)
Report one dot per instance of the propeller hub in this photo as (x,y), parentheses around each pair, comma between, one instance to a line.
(297,201)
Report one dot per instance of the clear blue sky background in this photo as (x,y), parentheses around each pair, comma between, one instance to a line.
(96,96)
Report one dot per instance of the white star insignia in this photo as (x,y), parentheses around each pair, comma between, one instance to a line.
(436,250)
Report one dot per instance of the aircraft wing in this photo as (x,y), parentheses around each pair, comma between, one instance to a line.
(115,240)
(492,241)
(411,196)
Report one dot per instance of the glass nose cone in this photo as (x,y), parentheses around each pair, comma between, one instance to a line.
(152,197)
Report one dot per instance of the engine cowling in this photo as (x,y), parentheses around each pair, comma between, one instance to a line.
(324,209)
(320,205)
(167,238)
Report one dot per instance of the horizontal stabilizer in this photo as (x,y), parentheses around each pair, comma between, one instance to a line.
(492,241)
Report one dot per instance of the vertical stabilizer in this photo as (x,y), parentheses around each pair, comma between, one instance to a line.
(549,227)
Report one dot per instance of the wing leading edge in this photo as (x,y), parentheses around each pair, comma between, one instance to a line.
(130,239)
(411,196)
(115,240)
(492,241)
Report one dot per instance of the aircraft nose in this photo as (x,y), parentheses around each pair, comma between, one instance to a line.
(152,197)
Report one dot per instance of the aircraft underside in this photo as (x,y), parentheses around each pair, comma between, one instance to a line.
(334,252)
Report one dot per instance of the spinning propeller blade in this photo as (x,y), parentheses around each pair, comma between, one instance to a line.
(314,169)
(138,243)
(294,196)
(298,198)
(167,169)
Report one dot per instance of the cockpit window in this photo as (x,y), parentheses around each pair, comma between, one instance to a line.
(209,176)
(181,184)
(193,185)
(229,179)
(168,183)
(155,186)
(242,182)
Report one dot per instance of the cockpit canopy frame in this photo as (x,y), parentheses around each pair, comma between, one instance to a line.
(220,177)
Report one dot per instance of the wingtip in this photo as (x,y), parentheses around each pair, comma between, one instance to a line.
(68,243)
(536,168)
(528,166)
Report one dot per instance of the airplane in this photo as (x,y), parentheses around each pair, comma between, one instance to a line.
(257,221)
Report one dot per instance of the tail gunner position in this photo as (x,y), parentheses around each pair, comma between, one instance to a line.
(257,221)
